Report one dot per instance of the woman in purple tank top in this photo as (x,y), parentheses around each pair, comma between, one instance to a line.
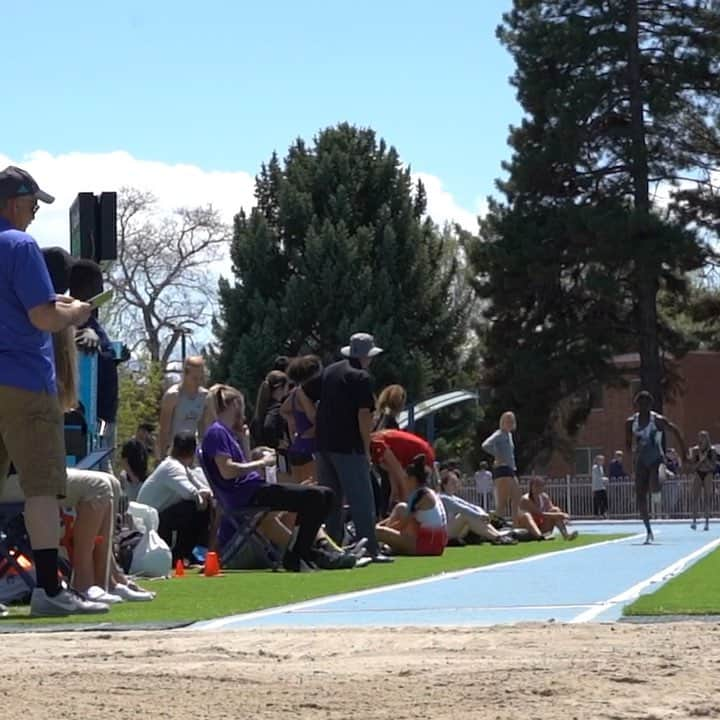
(299,412)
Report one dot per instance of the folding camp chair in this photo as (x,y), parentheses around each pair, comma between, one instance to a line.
(15,549)
(244,523)
(94,460)
(16,552)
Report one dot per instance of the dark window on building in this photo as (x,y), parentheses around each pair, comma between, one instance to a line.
(597,397)
(584,459)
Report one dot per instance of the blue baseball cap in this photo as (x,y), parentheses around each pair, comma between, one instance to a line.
(15,182)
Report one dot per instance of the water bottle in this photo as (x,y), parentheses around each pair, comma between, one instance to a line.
(199,552)
(271,474)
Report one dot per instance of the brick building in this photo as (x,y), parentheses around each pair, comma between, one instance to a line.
(696,407)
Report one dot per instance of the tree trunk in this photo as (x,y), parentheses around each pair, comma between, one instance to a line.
(647,267)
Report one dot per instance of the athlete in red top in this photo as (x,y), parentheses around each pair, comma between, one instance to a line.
(393,451)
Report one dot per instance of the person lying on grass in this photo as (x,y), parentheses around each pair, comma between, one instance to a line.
(540,515)
(463,517)
(419,526)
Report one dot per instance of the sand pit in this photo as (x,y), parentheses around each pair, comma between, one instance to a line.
(582,671)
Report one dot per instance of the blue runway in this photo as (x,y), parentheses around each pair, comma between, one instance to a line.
(579,584)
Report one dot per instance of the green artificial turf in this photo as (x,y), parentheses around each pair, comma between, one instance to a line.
(694,592)
(195,597)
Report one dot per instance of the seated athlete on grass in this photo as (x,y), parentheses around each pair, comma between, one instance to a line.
(545,516)
(418,527)
(463,517)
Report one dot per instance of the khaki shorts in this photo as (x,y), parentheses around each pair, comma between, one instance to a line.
(32,436)
(88,486)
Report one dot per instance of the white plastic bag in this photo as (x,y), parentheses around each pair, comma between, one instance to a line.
(151,556)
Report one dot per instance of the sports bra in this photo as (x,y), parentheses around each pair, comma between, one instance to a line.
(648,439)
(434,517)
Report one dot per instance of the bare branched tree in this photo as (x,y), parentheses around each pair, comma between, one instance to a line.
(162,276)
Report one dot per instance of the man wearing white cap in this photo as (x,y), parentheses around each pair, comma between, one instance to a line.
(343,426)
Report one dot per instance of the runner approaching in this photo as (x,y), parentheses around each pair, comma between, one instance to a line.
(644,438)
(703,460)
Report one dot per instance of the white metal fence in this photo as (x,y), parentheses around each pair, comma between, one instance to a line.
(574,495)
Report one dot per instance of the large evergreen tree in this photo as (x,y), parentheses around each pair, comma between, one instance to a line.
(571,264)
(339,242)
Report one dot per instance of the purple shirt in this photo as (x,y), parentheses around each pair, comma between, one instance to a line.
(26,353)
(235,493)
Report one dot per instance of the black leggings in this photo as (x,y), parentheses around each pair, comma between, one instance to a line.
(600,503)
(311,504)
(191,525)
(382,489)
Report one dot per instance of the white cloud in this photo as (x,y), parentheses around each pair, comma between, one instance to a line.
(64,176)
(178,185)
(442,206)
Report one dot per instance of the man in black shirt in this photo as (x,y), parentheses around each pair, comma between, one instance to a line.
(343,426)
(135,455)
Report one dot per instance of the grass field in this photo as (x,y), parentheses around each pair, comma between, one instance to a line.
(694,592)
(195,597)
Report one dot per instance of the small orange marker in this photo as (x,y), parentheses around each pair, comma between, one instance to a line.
(179,568)
(212,565)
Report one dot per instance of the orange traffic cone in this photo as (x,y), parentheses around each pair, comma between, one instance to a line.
(179,568)
(212,565)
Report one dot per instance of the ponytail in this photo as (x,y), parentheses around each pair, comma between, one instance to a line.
(273,380)
(263,400)
(66,368)
(222,395)
(417,469)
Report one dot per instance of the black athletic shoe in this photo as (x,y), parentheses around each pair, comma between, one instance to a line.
(326,558)
(456,542)
(293,562)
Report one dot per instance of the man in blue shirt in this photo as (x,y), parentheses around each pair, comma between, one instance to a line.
(31,419)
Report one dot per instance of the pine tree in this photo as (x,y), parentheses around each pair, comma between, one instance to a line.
(339,242)
(571,264)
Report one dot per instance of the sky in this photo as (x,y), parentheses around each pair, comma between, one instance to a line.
(187,99)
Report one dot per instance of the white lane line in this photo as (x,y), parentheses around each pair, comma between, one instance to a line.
(471,608)
(633,592)
(224,622)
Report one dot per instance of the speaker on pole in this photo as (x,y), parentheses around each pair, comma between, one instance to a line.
(93,226)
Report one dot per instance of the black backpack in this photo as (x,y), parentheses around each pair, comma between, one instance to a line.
(125,544)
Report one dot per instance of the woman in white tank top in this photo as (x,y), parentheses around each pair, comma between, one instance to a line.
(418,527)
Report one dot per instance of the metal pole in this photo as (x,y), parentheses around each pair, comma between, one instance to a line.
(411,417)
(183,348)
(567,495)
(431,428)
